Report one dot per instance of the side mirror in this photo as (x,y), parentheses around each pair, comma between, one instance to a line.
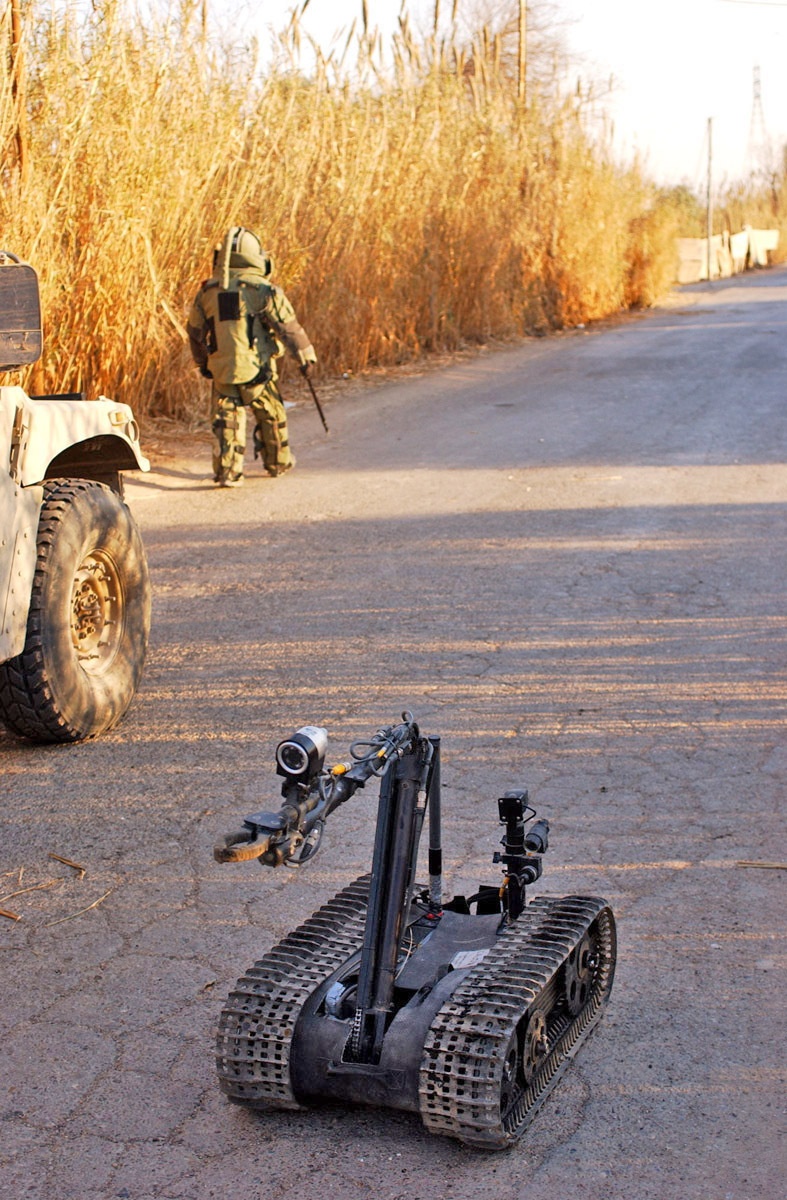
(21,339)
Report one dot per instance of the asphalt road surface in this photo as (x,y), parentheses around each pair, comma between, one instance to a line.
(568,560)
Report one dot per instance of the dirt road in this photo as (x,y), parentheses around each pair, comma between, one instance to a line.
(568,559)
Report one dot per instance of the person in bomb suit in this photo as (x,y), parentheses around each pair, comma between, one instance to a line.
(240,323)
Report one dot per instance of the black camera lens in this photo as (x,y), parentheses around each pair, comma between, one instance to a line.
(293,758)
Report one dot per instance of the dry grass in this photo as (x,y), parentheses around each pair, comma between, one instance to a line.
(410,207)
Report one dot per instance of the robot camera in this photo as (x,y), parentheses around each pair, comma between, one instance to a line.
(301,756)
(513,806)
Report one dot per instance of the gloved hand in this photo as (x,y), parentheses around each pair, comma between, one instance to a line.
(306,358)
(205,373)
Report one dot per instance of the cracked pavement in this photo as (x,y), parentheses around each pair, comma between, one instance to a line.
(568,559)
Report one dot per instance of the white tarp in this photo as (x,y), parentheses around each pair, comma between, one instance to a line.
(730,254)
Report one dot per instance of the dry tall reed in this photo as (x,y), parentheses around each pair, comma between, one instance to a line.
(410,201)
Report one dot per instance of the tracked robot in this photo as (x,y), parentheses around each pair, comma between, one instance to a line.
(465,1011)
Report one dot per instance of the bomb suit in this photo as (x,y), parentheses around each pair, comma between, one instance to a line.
(239,325)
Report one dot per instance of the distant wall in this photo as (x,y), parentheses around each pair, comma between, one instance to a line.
(730,254)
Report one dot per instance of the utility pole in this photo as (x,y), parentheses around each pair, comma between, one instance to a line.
(710,195)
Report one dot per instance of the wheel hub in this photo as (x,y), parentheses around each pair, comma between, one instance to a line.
(536,1045)
(580,966)
(96,612)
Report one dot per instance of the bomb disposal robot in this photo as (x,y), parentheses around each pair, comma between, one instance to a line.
(465,1011)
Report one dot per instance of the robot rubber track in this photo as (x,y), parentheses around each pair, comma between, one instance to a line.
(514,1008)
(256,1026)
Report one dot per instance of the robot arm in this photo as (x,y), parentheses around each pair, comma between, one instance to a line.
(293,835)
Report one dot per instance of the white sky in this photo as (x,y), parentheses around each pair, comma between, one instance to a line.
(679,63)
(676,64)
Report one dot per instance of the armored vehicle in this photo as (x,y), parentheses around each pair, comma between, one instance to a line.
(464,1010)
(74,582)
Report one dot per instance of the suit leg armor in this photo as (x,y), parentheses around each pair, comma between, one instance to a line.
(270,434)
(229,428)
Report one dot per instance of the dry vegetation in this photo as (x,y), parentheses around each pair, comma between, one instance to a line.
(413,200)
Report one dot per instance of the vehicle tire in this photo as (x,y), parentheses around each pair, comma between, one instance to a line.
(89,619)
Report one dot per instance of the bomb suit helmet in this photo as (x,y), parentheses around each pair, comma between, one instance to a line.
(241,248)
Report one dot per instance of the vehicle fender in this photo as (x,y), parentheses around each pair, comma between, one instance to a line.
(54,438)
